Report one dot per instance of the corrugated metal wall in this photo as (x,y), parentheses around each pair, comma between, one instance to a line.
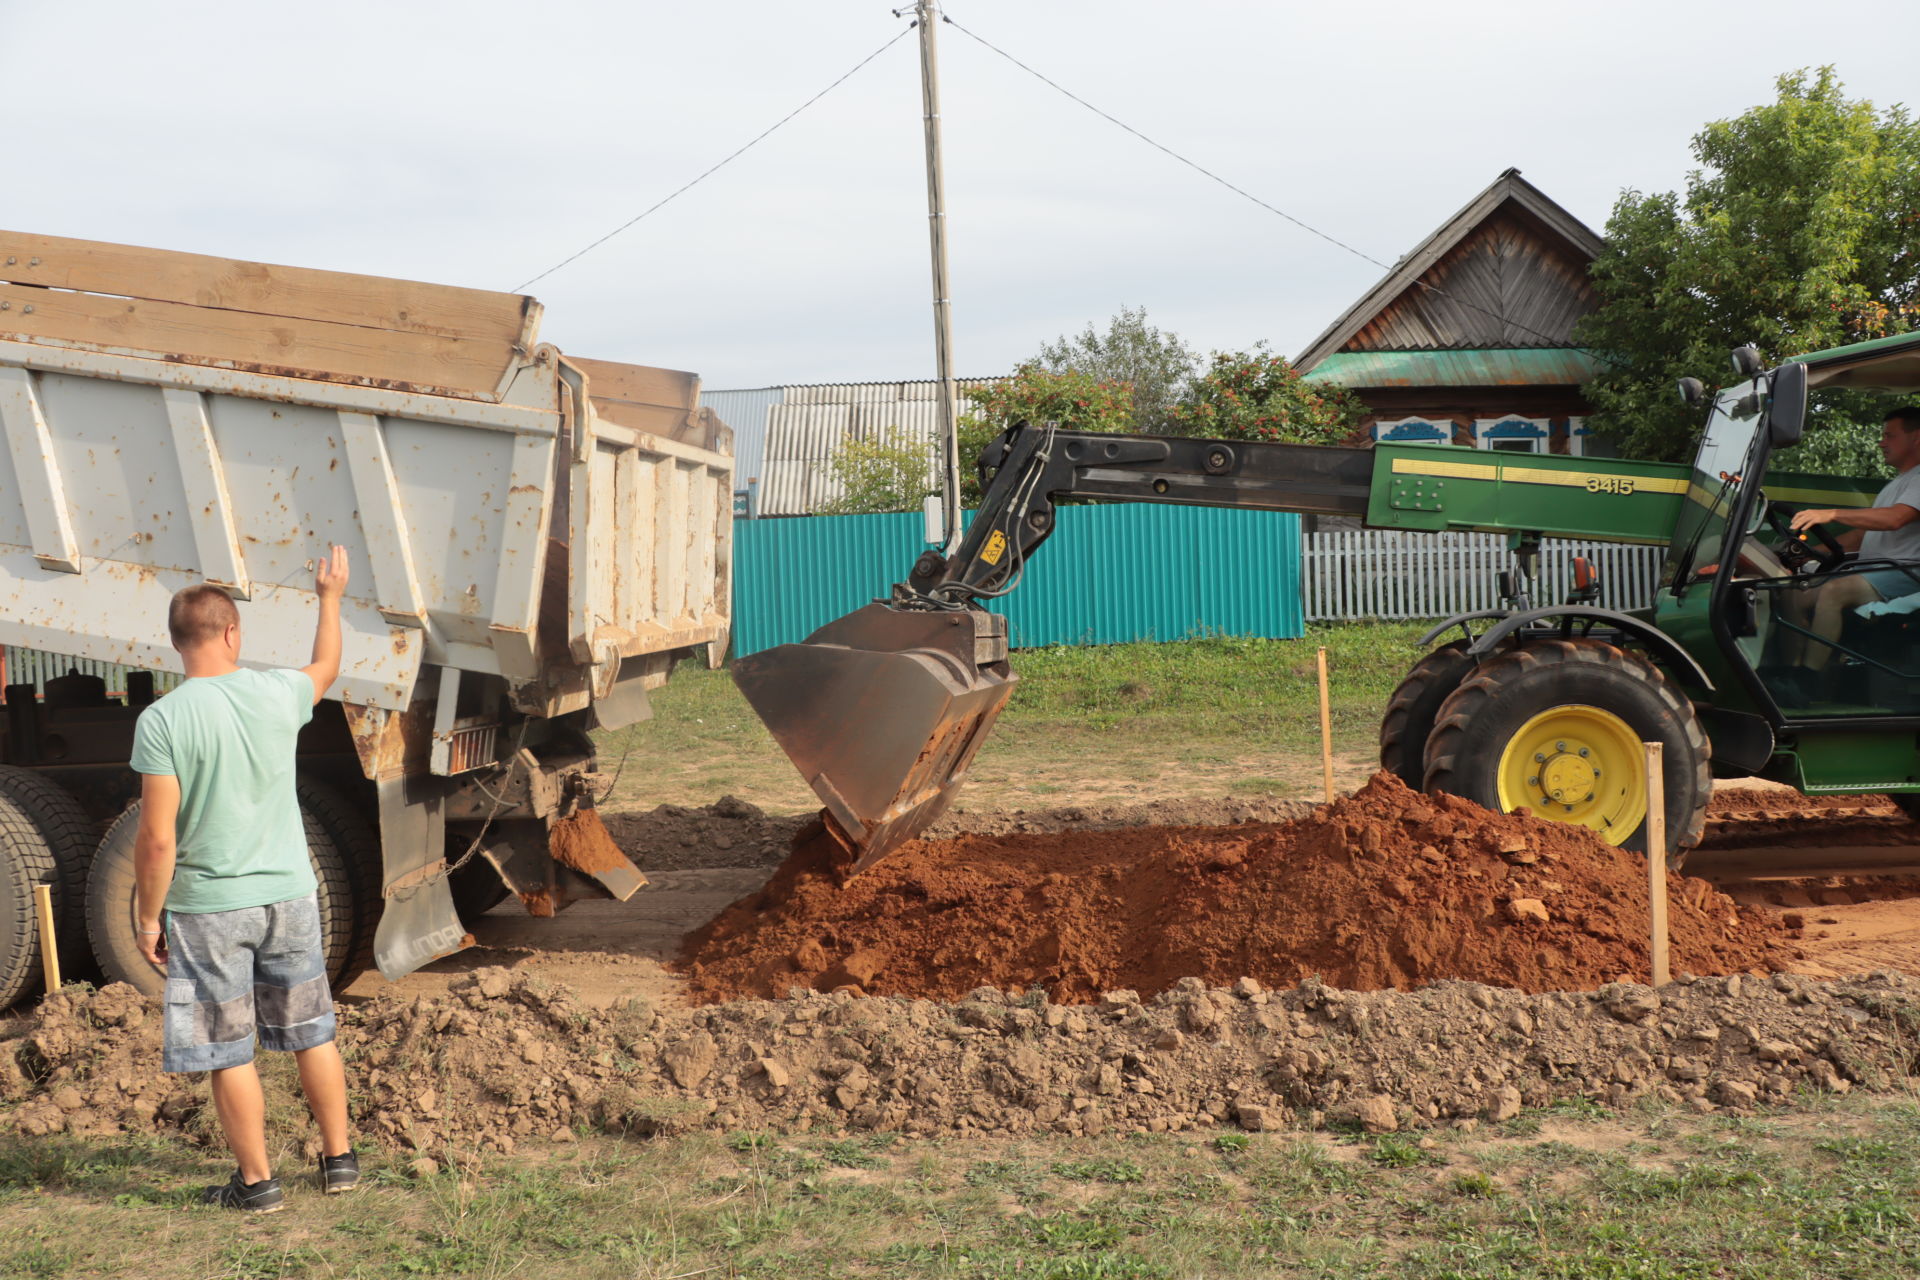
(745,411)
(1110,574)
(810,423)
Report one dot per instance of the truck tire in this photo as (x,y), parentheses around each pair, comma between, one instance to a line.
(1414,707)
(1569,716)
(25,861)
(110,918)
(70,835)
(359,847)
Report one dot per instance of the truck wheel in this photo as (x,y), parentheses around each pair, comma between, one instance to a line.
(70,836)
(110,913)
(25,861)
(1415,706)
(1557,728)
(359,848)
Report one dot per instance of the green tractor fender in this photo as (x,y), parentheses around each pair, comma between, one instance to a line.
(1663,648)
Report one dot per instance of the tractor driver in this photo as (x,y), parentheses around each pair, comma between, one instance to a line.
(1887,530)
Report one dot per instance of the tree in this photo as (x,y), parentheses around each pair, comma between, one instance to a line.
(1156,364)
(889,474)
(1800,231)
(1256,395)
(1073,399)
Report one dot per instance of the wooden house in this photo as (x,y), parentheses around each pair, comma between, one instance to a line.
(1469,338)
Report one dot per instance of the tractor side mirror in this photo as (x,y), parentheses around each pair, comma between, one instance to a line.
(1787,409)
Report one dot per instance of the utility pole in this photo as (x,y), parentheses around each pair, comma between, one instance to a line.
(926,15)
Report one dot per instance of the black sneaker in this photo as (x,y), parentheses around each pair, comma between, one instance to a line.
(339,1174)
(264,1196)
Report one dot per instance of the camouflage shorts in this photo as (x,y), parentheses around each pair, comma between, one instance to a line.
(235,975)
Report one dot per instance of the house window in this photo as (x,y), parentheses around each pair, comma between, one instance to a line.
(1511,435)
(1581,442)
(1413,431)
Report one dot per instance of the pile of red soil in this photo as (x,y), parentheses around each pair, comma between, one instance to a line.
(1384,888)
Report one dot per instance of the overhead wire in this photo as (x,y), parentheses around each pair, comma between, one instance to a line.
(757,139)
(1248,195)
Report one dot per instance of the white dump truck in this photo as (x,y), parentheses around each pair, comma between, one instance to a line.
(536,539)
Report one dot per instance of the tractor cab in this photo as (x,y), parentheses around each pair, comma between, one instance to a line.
(1814,645)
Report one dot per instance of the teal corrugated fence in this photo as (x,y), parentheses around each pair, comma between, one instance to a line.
(1110,574)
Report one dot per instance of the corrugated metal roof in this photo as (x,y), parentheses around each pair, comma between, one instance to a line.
(745,410)
(1506,367)
(911,407)
(803,432)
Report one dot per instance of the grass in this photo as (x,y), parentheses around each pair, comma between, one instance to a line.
(1204,717)
(1815,1194)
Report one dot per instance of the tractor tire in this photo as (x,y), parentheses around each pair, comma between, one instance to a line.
(1415,706)
(71,835)
(1569,716)
(1908,802)
(359,847)
(110,911)
(25,861)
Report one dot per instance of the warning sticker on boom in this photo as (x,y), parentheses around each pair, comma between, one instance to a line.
(995,548)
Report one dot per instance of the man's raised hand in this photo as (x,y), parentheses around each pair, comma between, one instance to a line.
(330,577)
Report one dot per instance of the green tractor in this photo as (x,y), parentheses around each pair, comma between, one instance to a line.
(1536,705)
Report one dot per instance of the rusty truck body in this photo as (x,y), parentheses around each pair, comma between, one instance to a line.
(536,539)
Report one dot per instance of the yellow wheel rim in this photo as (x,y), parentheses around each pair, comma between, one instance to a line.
(1579,765)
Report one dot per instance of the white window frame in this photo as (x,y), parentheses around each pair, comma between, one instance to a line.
(1381,430)
(1483,436)
(1577,433)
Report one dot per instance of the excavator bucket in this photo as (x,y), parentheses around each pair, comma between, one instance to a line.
(882,711)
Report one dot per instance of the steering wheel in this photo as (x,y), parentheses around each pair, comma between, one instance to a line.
(1794,548)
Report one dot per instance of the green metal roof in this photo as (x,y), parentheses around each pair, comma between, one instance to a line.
(1888,366)
(1874,346)
(1491,367)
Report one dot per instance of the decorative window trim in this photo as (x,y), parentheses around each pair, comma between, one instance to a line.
(1535,432)
(1577,432)
(1414,431)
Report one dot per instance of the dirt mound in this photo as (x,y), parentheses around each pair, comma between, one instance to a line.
(503,1059)
(1384,888)
(733,833)
(1781,802)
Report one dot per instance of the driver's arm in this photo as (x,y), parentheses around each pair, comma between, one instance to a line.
(1862,519)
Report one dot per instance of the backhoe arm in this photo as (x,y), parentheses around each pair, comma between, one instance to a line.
(1033,466)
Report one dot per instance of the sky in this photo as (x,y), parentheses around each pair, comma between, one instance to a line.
(480,143)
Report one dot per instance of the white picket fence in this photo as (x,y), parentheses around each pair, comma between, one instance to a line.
(1354,575)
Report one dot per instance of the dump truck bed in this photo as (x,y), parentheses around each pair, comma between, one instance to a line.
(174,418)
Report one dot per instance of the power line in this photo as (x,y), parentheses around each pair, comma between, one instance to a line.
(1243,192)
(662,203)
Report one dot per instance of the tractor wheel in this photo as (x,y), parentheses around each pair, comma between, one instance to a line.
(1908,802)
(25,861)
(1415,705)
(110,911)
(70,836)
(1557,728)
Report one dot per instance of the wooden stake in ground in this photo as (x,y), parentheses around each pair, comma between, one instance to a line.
(49,955)
(1326,729)
(1657,861)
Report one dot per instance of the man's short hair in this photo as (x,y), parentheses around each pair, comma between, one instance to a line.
(1907,415)
(199,614)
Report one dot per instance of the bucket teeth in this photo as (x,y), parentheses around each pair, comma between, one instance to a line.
(882,711)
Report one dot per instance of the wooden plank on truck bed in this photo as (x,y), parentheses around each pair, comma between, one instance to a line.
(259,316)
(262,344)
(660,402)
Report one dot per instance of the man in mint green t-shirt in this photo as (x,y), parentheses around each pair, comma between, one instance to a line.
(222,850)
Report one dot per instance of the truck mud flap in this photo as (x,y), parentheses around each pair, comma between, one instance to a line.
(883,711)
(418,923)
